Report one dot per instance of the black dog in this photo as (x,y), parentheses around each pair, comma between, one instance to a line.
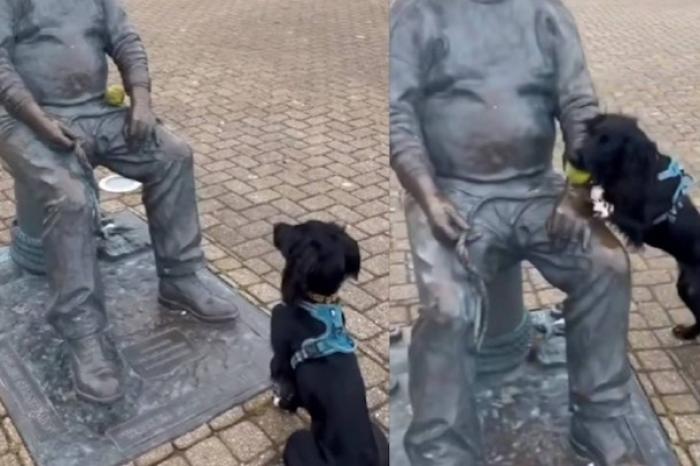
(647,190)
(328,384)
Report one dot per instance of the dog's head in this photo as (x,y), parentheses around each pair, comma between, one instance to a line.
(319,256)
(615,146)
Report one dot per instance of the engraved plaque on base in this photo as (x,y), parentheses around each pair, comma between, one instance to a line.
(182,372)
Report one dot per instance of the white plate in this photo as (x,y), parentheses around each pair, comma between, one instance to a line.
(118,184)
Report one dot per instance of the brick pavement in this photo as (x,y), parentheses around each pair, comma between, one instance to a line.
(644,56)
(284,102)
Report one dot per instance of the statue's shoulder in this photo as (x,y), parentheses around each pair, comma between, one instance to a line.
(18,8)
(421,12)
(554,9)
(406,8)
(11,5)
(555,19)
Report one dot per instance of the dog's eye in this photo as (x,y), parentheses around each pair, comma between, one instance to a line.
(604,139)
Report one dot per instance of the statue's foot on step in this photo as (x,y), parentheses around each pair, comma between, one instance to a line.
(605,442)
(97,370)
(200,295)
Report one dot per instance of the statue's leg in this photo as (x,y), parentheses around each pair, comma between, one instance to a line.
(598,287)
(165,166)
(445,428)
(76,309)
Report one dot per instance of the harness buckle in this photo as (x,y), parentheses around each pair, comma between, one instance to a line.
(312,350)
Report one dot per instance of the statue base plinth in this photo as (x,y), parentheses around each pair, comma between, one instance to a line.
(181,374)
(525,415)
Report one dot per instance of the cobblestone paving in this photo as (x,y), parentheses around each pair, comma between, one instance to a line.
(284,102)
(645,58)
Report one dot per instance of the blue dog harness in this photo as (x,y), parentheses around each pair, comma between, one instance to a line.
(675,170)
(335,339)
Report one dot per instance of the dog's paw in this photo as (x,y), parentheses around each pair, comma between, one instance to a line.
(635,248)
(686,332)
(276,400)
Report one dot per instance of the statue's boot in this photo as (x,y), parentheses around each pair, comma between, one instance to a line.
(199,294)
(605,441)
(96,368)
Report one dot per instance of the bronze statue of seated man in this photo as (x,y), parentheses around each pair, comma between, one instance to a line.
(53,76)
(476,89)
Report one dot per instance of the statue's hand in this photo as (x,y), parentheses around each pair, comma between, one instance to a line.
(569,221)
(56,135)
(142,124)
(445,220)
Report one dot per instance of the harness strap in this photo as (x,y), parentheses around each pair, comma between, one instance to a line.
(334,339)
(309,350)
(675,170)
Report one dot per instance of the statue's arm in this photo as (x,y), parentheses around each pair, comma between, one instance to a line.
(408,154)
(13,92)
(126,49)
(17,100)
(576,97)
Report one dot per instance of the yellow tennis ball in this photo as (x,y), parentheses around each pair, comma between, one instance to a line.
(115,95)
(577,177)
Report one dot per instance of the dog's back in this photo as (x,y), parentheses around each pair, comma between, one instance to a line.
(329,385)
(332,390)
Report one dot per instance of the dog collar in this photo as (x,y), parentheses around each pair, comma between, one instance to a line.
(323,299)
(334,339)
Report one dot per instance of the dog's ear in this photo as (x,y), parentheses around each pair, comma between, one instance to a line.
(639,156)
(295,280)
(591,123)
(284,237)
(352,256)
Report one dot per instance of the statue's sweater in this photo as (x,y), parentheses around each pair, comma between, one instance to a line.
(55,51)
(477,86)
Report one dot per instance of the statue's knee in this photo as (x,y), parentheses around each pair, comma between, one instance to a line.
(452,317)
(613,260)
(69,198)
(185,153)
(179,151)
